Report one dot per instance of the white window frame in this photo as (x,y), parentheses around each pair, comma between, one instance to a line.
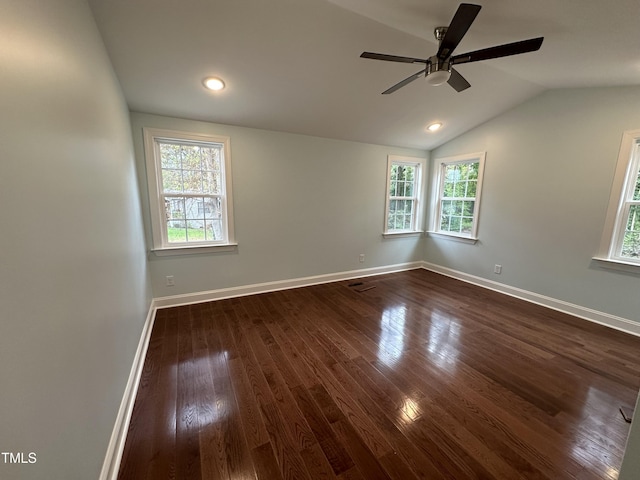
(620,201)
(161,245)
(418,211)
(478,157)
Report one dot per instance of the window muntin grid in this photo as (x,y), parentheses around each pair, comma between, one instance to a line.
(193,171)
(189,182)
(457,202)
(402,197)
(458,197)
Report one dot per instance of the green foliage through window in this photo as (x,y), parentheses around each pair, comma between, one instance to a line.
(459,187)
(630,247)
(458,195)
(192,188)
(631,240)
(403,196)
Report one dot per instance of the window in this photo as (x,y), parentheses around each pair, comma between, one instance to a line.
(621,237)
(189,178)
(458,195)
(404,190)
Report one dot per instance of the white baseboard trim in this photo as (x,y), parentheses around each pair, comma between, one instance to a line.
(602,318)
(243,290)
(111,464)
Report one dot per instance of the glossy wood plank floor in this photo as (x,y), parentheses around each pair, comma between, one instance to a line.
(420,377)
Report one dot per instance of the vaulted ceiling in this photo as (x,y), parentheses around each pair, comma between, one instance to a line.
(294,66)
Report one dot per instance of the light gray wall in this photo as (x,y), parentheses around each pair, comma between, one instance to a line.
(303,206)
(549,167)
(73,285)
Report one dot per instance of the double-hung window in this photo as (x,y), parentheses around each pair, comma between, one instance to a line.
(621,237)
(189,178)
(404,190)
(458,195)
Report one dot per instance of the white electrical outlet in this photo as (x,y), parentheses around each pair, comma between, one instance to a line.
(170,282)
(497,269)
(361,258)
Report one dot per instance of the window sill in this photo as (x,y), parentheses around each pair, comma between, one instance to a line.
(455,238)
(619,265)
(194,250)
(409,233)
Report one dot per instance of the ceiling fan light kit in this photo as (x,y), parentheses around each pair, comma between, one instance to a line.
(439,67)
(437,72)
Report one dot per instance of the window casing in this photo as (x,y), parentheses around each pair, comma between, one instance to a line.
(404,194)
(189,179)
(458,195)
(621,237)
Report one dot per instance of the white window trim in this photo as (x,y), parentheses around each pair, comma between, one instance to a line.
(418,213)
(435,221)
(617,211)
(161,245)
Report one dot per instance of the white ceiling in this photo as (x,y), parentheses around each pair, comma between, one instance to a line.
(294,66)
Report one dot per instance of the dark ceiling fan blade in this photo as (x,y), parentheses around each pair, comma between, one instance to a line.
(404,82)
(392,58)
(462,20)
(457,81)
(505,50)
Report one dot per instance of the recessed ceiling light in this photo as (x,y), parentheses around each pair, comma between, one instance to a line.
(213,83)
(434,127)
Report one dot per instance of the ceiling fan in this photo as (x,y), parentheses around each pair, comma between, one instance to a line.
(439,68)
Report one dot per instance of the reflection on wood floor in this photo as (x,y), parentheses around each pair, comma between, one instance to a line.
(422,376)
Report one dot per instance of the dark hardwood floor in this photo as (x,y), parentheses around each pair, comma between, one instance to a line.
(420,377)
